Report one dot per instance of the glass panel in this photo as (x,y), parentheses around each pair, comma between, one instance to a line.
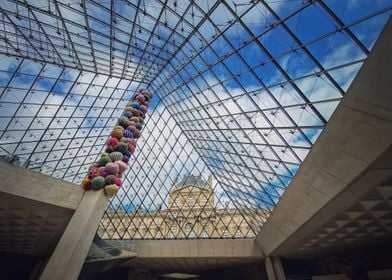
(242,90)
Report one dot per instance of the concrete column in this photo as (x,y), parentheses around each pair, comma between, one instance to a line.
(68,258)
(274,268)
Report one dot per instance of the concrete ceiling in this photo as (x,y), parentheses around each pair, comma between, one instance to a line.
(30,227)
(34,210)
(368,219)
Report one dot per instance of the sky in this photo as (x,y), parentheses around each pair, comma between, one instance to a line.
(243,98)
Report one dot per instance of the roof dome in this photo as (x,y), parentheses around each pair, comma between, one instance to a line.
(191,180)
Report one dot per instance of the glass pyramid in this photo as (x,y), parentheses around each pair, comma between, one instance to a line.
(242,90)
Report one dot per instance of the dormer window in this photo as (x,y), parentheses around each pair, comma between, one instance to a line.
(191,201)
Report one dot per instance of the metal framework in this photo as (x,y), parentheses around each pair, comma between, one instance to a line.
(242,91)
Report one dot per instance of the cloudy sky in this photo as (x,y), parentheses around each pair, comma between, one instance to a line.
(241,91)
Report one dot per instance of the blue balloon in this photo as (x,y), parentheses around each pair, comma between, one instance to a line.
(136,105)
(128,114)
(128,134)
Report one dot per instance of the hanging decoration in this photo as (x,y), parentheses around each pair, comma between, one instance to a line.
(107,172)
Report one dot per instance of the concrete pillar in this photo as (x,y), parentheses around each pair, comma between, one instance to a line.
(274,268)
(68,258)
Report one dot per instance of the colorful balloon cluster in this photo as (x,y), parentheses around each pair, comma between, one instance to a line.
(107,172)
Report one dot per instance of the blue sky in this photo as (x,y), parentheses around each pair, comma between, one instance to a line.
(235,87)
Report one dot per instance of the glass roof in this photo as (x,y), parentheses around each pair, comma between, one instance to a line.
(242,90)
(191,180)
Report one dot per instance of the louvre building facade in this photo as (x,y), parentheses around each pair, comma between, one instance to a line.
(191,213)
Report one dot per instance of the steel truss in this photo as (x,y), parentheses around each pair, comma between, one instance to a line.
(242,91)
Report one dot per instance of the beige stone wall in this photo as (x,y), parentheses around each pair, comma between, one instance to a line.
(176,224)
(191,214)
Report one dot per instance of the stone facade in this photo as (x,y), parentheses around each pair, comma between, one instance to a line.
(191,213)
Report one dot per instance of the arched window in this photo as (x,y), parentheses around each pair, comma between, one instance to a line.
(203,201)
(204,233)
(173,231)
(158,232)
(191,201)
(188,230)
